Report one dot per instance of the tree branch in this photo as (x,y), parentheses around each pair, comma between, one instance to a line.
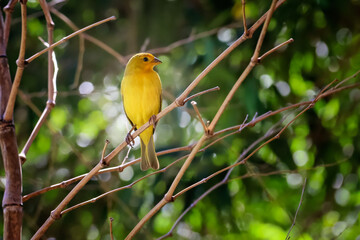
(64,39)
(49,106)
(8,115)
(297,210)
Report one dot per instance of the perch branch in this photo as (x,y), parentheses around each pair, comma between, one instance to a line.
(178,102)
(237,128)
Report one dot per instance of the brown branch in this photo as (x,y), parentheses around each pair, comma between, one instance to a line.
(201,93)
(323,94)
(225,180)
(264,30)
(311,104)
(347,79)
(297,211)
(194,104)
(80,62)
(244,18)
(178,102)
(8,9)
(274,49)
(215,186)
(56,214)
(247,70)
(93,200)
(8,115)
(11,202)
(237,128)
(111,229)
(49,106)
(119,168)
(94,40)
(192,37)
(64,39)
(169,194)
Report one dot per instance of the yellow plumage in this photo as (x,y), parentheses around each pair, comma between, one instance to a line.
(141,94)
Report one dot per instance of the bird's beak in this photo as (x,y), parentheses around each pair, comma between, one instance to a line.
(156,61)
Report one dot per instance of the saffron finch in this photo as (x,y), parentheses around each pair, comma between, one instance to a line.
(141,95)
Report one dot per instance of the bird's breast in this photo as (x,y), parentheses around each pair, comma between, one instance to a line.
(141,96)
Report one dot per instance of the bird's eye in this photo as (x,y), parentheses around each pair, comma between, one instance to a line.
(146,59)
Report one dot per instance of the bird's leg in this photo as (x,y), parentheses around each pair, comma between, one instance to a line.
(152,120)
(129,139)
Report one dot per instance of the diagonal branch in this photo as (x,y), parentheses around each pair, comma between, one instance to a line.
(64,39)
(297,210)
(247,70)
(178,102)
(8,115)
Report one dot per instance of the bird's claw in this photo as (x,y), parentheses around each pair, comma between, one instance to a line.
(152,120)
(130,140)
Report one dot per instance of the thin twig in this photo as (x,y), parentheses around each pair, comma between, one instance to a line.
(49,106)
(311,104)
(244,18)
(93,200)
(297,210)
(348,78)
(194,104)
(247,70)
(126,156)
(92,39)
(64,39)
(50,29)
(189,147)
(263,31)
(104,149)
(111,229)
(191,38)
(201,93)
(119,168)
(274,49)
(9,8)
(80,61)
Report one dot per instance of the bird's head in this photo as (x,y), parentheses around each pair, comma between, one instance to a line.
(142,61)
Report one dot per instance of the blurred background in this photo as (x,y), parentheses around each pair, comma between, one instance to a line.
(89,110)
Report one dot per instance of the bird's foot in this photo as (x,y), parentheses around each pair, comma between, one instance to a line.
(152,120)
(129,139)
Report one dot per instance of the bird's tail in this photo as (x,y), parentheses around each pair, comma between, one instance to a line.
(148,154)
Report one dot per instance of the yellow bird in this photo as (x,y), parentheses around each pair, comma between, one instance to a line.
(141,94)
